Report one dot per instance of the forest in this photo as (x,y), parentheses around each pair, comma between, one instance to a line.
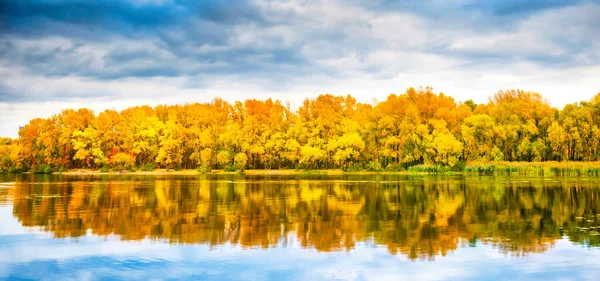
(416,128)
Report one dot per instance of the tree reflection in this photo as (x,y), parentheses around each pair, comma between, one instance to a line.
(417,217)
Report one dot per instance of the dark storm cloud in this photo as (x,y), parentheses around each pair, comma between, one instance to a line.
(45,17)
(128,18)
(176,31)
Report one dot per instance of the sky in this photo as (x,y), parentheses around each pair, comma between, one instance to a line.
(57,54)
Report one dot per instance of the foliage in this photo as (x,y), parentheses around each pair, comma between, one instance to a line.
(552,168)
(240,161)
(395,167)
(203,169)
(417,127)
(311,156)
(224,157)
(459,166)
(147,167)
(43,169)
(87,146)
(122,161)
(374,166)
(5,164)
(229,168)
(446,148)
(429,169)
(353,167)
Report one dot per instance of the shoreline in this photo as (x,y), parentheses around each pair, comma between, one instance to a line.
(188,172)
(578,169)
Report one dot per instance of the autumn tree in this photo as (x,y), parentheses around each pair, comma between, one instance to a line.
(417,126)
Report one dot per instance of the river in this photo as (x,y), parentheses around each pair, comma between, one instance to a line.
(298,227)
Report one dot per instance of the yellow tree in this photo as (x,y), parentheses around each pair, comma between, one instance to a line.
(311,157)
(477,132)
(67,122)
(170,151)
(522,117)
(6,162)
(347,149)
(88,147)
(240,160)
(446,148)
(224,158)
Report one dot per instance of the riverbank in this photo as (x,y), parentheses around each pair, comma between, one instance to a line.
(284,172)
(534,168)
(474,168)
(591,169)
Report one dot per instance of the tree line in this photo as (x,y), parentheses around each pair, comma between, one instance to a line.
(418,127)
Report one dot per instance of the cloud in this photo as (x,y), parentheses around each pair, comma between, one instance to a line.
(512,7)
(38,256)
(62,51)
(121,17)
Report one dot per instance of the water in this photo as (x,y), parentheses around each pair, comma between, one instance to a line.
(231,227)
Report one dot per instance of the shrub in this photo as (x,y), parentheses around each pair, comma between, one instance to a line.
(104,169)
(5,164)
(14,170)
(460,166)
(43,169)
(148,167)
(429,169)
(352,168)
(203,168)
(374,166)
(229,168)
(395,167)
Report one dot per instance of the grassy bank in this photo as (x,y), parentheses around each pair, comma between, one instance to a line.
(160,172)
(575,169)
(591,169)
(157,172)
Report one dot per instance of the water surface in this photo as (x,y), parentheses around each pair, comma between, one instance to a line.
(367,227)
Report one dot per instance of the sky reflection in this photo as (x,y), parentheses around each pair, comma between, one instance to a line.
(27,253)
